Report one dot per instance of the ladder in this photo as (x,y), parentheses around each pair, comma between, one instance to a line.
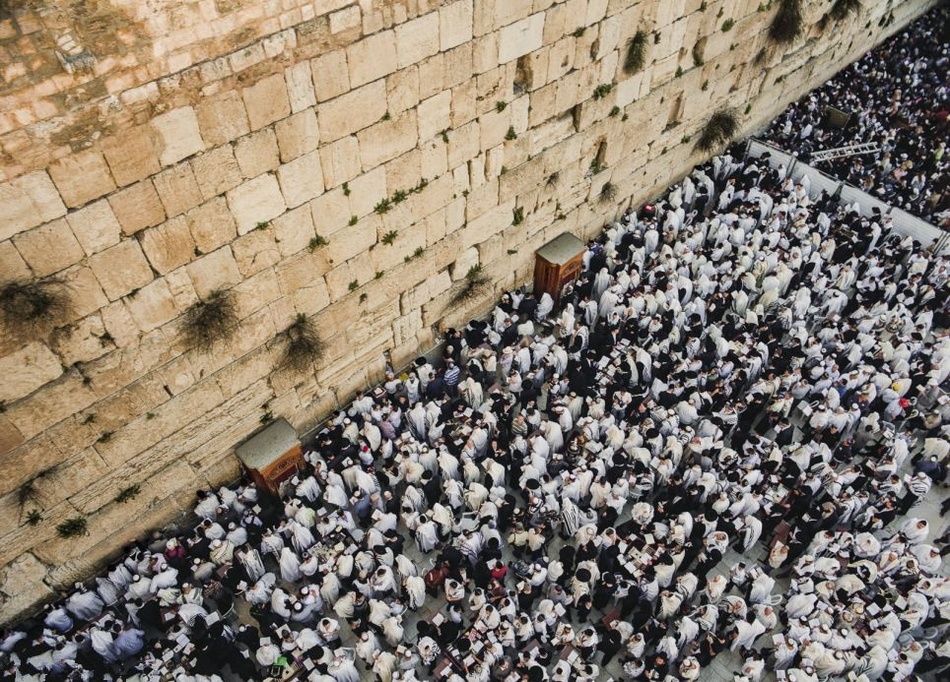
(840,152)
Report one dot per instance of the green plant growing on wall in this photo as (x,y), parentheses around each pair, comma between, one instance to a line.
(721,127)
(500,105)
(364,298)
(517,216)
(28,494)
(511,134)
(728,24)
(34,516)
(843,8)
(317,242)
(399,196)
(698,56)
(615,111)
(608,192)
(353,220)
(445,135)
(788,21)
(354,285)
(474,283)
(553,179)
(636,53)
(679,71)
(346,189)
(383,206)
(390,237)
(302,344)
(70,528)
(603,90)
(27,306)
(129,493)
(211,320)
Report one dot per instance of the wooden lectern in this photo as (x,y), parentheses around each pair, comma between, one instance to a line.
(557,263)
(272,456)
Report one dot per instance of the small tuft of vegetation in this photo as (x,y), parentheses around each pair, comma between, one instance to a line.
(445,135)
(517,216)
(354,285)
(788,22)
(34,516)
(303,344)
(608,192)
(72,527)
(615,111)
(500,105)
(105,437)
(399,196)
(578,32)
(843,8)
(318,241)
(150,415)
(728,24)
(511,134)
(720,128)
(553,179)
(211,320)
(636,53)
(475,282)
(127,494)
(390,237)
(387,116)
(364,297)
(698,56)
(603,90)
(596,166)
(346,189)
(28,306)
(383,206)
(353,220)
(679,71)
(267,418)
(379,274)
(512,252)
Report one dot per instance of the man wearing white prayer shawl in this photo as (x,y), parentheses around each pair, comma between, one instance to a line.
(84,606)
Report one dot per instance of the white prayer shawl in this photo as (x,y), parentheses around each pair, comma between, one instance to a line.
(289,565)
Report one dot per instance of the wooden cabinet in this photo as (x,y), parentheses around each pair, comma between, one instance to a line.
(557,263)
(272,456)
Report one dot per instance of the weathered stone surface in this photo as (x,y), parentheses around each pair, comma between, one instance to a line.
(222,119)
(300,86)
(82,177)
(95,227)
(28,201)
(353,111)
(435,115)
(371,58)
(137,207)
(27,370)
(170,245)
(11,262)
(177,189)
(177,135)
(294,230)
(121,268)
(216,270)
(256,201)
(131,156)
(22,584)
(152,306)
(216,171)
(297,135)
(257,153)
(521,38)
(331,75)
(301,179)
(266,101)
(211,225)
(388,139)
(417,39)
(455,24)
(49,248)
(80,342)
(341,161)
(255,251)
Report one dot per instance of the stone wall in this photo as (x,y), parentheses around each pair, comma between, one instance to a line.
(348,161)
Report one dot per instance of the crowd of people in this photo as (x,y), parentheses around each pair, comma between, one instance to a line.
(898,97)
(741,366)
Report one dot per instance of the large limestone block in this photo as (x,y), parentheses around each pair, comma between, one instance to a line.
(37,413)
(137,207)
(521,38)
(177,135)
(331,211)
(95,227)
(170,245)
(257,153)
(455,24)
(300,86)
(216,171)
(331,75)
(312,297)
(294,230)
(256,201)
(121,268)
(178,189)
(212,225)
(301,179)
(81,177)
(28,201)
(431,76)
(12,264)
(353,111)
(222,118)
(388,139)
(131,156)
(457,66)
(341,161)
(417,39)
(371,58)
(508,11)
(86,293)
(80,342)
(435,115)
(255,251)
(49,248)
(402,90)
(27,370)
(266,101)
(216,270)
(256,292)
(152,306)
(297,135)
(299,271)
(365,192)
(353,240)
(21,583)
